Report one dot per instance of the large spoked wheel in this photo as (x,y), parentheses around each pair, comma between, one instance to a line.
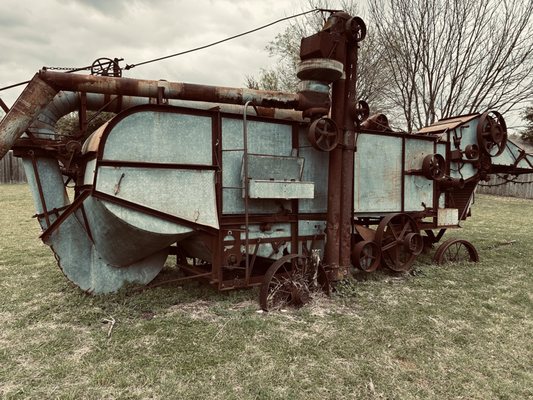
(492,133)
(456,251)
(287,283)
(400,241)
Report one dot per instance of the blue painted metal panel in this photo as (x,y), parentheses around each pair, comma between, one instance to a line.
(263,138)
(378,173)
(418,190)
(316,171)
(187,194)
(161,137)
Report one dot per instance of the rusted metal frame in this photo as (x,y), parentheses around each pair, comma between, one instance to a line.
(231,284)
(39,187)
(448,199)
(70,209)
(435,238)
(228,221)
(347,171)
(86,222)
(403,174)
(216,141)
(236,219)
(216,265)
(6,110)
(155,213)
(216,147)
(246,186)
(196,271)
(295,139)
(40,148)
(257,118)
(332,248)
(55,211)
(521,156)
(252,264)
(467,206)
(82,114)
(33,100)
(152,165)
(4,106)
(176,280)
(436,194)
(431,138)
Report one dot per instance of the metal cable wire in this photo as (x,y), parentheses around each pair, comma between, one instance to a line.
(130,66)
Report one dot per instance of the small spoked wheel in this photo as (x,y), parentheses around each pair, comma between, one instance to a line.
(106,67)
(287,283)
(456,251)
(366,256)
(400,241)
(323,134)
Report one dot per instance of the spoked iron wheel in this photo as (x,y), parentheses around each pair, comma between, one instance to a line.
(287,283)
(400,241)
(366,256)
(492,133)
(323,134)
(455,251)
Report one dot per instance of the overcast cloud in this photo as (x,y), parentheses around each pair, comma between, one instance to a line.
(73,33)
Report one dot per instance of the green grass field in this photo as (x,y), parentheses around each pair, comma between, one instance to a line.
(454,332)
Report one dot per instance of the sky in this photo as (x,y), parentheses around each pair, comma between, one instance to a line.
(74,33)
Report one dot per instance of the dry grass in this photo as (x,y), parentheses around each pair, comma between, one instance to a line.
(460,332)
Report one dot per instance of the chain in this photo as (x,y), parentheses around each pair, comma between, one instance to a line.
(66,68)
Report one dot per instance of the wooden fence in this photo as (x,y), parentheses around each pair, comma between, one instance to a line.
(11,169)
(498,187)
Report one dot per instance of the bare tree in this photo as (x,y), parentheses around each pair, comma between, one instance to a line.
(450,57)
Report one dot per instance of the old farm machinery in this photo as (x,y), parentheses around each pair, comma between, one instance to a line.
(286,191)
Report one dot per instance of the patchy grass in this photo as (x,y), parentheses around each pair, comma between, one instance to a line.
(461,331)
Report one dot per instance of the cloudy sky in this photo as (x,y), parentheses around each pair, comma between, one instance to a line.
(73,33)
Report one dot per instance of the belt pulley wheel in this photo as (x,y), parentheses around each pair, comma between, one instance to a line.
(433,166)
(356,29)
(323,134)
(492,133)
(366,256)
(361,111)
(472,151)
(397,236)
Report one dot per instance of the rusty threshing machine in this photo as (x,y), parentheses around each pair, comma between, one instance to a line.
(287,191)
